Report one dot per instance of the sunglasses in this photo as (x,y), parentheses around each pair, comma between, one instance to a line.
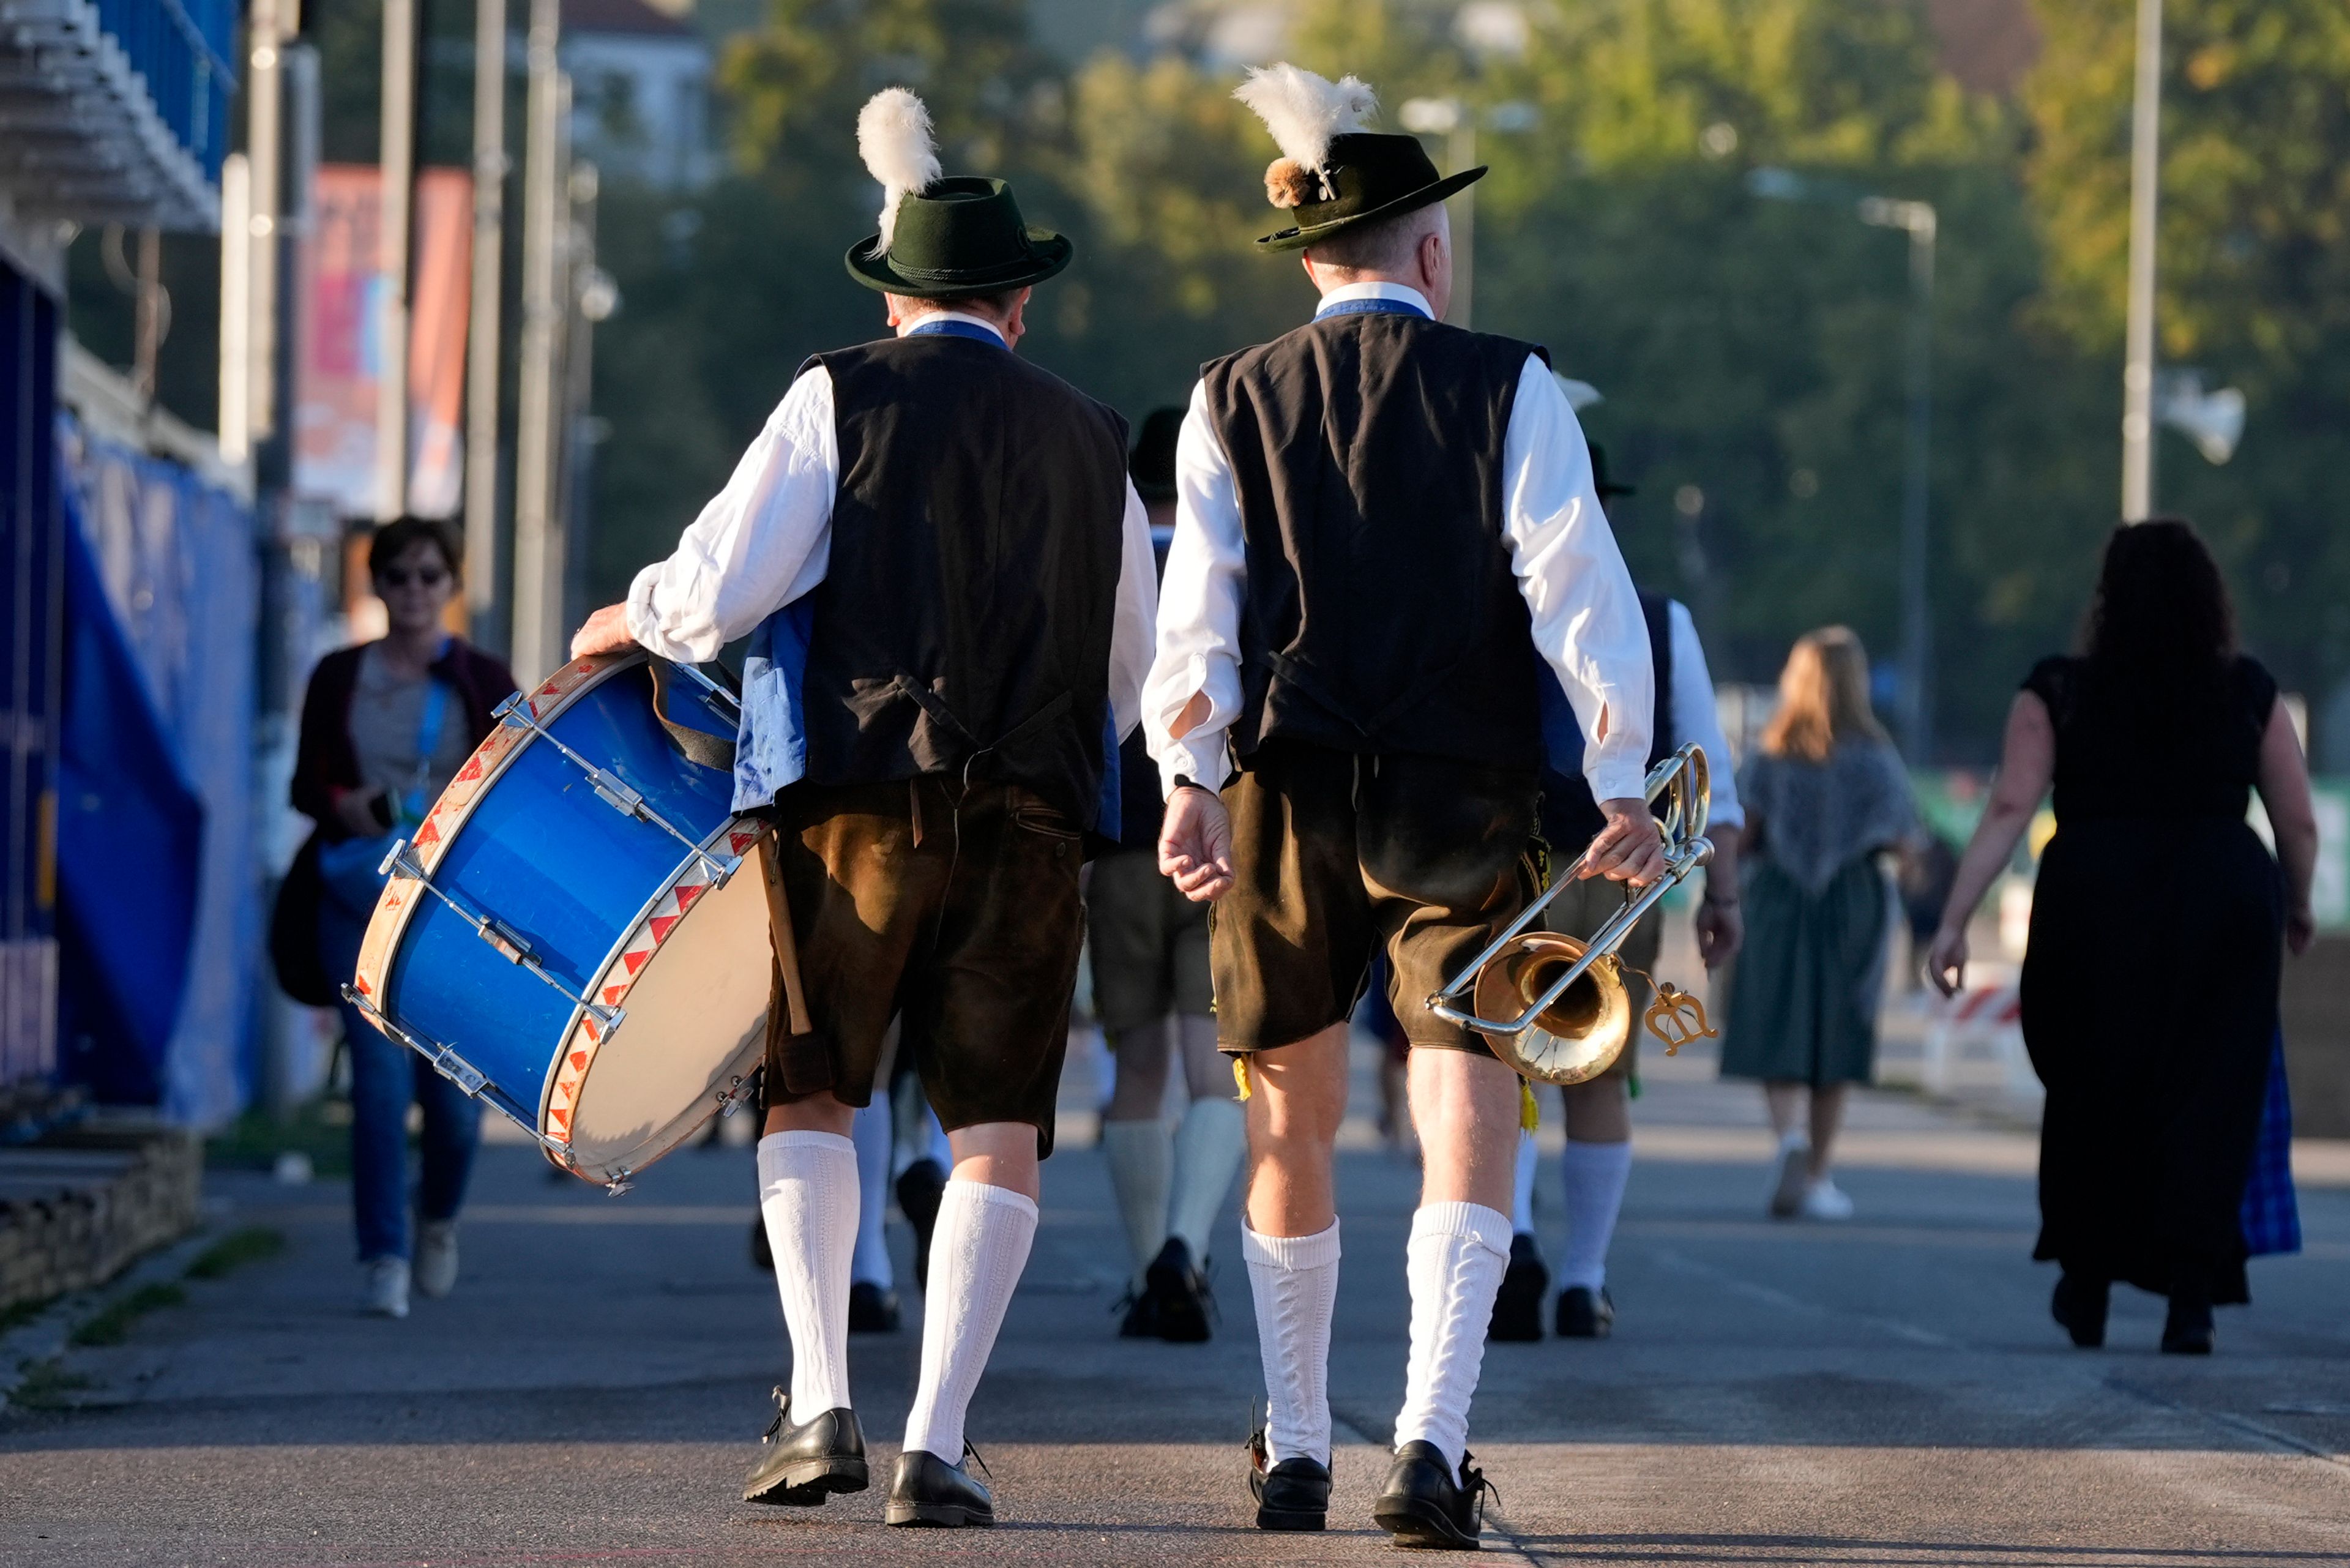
(422,576)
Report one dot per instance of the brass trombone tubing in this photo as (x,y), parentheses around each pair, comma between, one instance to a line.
(1672,773)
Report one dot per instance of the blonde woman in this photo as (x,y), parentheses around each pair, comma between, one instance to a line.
(1824,794)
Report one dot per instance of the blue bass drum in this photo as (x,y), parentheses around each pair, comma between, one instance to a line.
(567,936)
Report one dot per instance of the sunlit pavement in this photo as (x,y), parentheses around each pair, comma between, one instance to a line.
(1887,1392)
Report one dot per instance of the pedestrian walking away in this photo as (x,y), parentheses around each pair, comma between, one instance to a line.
(385,726)
(1598,1162)
(1826,798)
(946,579)
(1155,1001)
(1386,539)
(2158,925)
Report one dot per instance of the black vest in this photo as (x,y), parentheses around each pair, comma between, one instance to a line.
(1570,817)
(963,623)
(1381,612)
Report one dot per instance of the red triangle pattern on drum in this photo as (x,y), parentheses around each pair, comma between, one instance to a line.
(741,842)
(635,958)
(687,892)
(612,993)
(579,1061)
(661,924)
(587,1025)
(561,1120)
(430,832)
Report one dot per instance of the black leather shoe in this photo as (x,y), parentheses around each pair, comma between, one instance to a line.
(1141,1310)
(920,1186)
(2079,1307)
(1423,1504)
(1292,1495)
(2186,1331)
(1517,1305)
(1179,1293)
(928,1490)
(763,1257)
(872,1310)
(800,1466)
(1586,1315)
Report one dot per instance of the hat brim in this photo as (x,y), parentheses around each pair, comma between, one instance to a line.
(1297,239)
(1048,252)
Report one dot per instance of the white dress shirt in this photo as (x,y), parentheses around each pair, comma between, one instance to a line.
(1587,618)
(1694,716)
(766,539)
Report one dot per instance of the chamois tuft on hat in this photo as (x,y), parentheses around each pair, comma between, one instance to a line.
(1303,111)
(893,137)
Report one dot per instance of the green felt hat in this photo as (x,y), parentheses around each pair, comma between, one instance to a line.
(1366,175)
(959,235)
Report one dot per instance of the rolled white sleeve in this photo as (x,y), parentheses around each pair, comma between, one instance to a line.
(1198,611)
(1587,615)
(1695,718)
(1131,629)
(760,543)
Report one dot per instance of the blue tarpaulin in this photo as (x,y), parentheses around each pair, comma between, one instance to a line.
(164,609)
(129,852)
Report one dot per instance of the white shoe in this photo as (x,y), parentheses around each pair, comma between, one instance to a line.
(1823,1200)
(1794,1174)
(436,1257)
(387,1287)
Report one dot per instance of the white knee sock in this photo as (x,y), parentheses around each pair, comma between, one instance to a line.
(1596,1173)
(1521,1198)
(1455,1264)
(1209,1144)
(1294,1279)
(1141,1160)
(976,1255)
(807,1195)
(870,1132)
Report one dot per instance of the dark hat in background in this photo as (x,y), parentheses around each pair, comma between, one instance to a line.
(1333,176)
(1601,483)
(1152,465)
(941,237)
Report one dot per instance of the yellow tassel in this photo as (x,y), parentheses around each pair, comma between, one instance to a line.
(1529,1113)
(1240,1075)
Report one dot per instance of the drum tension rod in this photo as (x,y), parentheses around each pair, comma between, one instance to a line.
(475,1083)
(612,790)
(507,942)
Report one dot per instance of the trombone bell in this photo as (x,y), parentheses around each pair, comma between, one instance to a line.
(1578,1036)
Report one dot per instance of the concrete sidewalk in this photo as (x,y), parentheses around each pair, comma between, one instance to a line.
(1885,1392)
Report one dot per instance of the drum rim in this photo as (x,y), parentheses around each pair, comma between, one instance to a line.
(388,926)
(562,1073)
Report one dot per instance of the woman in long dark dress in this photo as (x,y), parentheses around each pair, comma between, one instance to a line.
(2158,923)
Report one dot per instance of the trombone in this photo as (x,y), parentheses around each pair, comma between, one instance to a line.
(1574,1013)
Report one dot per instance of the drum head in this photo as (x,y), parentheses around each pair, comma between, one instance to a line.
(696,1021)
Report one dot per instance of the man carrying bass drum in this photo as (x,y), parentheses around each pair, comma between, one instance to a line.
(1385,541)
(946,579)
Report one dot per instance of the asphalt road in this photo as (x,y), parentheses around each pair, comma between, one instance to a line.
(1885,1392)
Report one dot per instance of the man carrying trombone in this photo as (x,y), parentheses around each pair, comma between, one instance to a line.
(1386,543)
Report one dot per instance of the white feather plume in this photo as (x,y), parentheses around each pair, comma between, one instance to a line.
(1303,111)
(893,137)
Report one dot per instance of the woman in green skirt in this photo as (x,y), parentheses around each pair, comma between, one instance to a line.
(1824,794)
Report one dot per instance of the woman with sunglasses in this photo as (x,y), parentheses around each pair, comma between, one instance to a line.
(384,726)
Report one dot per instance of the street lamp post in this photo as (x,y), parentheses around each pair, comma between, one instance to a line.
(1457,123)
(2137,361)
(1917,219)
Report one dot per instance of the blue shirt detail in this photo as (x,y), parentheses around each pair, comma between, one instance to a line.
(972,331)
(1371,308)
(772,750)
(1109,820)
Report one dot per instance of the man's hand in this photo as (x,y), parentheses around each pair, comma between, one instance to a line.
(607,631)
(1946,959)
(1721,929)
(1195,845)
(1628,849)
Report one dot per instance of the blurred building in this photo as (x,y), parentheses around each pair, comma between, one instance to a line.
(639,93)
(112,111)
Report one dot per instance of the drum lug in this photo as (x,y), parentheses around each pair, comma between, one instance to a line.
(730,1099)
(619,1182)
